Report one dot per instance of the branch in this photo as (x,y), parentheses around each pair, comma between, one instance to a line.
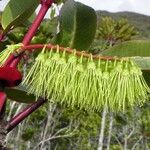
(137,142)
(12,105)
(59,136)
(52,138)
(24,114)
(59,131)
(130,133)
(49,116)
(117,140)
(32,47)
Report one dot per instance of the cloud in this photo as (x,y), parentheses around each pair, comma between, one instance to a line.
(141,6)
(3,4)
(110,5)
(126,5)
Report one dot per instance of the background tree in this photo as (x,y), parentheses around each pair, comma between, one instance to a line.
(113,31)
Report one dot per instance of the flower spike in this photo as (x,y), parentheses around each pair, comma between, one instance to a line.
(86,82)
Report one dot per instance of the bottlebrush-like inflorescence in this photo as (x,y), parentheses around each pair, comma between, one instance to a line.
(87,83)
(6,53)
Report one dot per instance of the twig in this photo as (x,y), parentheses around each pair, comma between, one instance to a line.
(52,138)
(117,140)
(134,146)
(131,133)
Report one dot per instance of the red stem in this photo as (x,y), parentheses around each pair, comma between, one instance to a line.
(13,60)
(2,102)
(32,47)
(9,60)
(2,37)
(25,113)
(34,27)
(32,30)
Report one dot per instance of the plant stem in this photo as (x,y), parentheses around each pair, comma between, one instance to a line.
(102,130)
(2,113)
(110,130)
(12,60)
(1,37)
(3,97)
(25,113)
(32,30)
(32,47)
(43,10)
(2,103)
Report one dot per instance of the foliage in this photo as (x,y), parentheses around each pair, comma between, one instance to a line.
(81,125)
(20,95)
(129,49)
(60,127)
(14,16)
(139,21)
(74,30)
(115,31)
(138,50)
(45,35)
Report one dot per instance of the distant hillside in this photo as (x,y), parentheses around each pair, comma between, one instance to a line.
(141,22)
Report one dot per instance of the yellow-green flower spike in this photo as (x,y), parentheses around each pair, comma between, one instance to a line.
(6,53)
(85,82)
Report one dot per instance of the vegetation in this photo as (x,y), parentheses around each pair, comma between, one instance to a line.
(130,48)
(62,127)
(139,21)
(113,31)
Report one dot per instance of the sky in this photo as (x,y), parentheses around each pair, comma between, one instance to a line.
(139,6)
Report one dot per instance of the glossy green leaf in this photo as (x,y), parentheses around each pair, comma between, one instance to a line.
(19,95)
(129,49)
(138,48)
(144,64)
(29,21)
(77,25)
(17,12)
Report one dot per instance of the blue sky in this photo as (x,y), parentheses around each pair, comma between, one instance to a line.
(140,6)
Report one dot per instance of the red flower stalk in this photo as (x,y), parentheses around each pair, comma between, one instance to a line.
(68,50)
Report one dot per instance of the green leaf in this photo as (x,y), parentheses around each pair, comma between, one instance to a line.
(52,13)
(146,74)
(130,49)
(140,48)
(19,95)
(77,25)
(29,21)
(121,119)
(144,64)
(17,12)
